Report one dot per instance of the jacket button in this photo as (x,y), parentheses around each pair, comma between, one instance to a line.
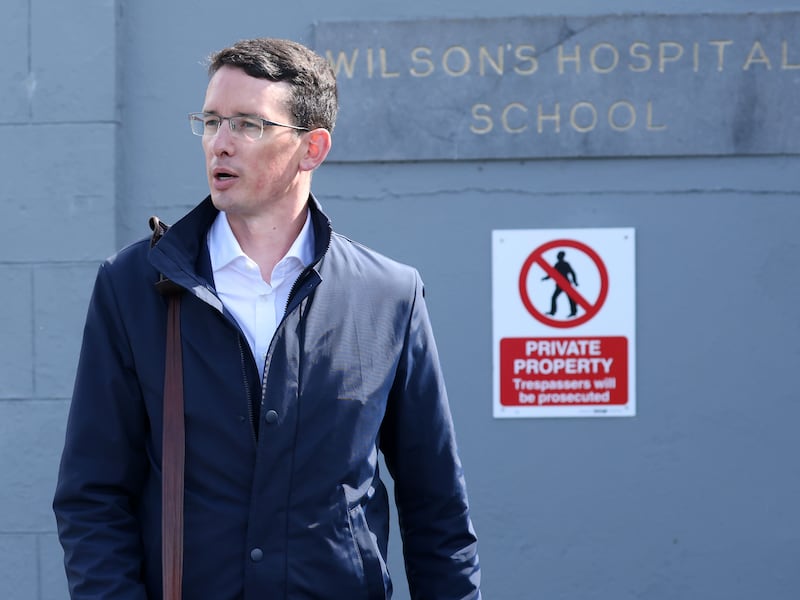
(256,554)
(271,417)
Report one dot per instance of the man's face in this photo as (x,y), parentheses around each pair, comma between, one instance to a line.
(250,177)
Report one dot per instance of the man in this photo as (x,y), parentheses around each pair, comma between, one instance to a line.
(565,269)
(304,354)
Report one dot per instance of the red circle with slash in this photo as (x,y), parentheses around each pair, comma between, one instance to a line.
(590,309)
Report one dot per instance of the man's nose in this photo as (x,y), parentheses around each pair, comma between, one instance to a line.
(222,142)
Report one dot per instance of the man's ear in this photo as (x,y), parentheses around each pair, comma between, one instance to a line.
(318,144)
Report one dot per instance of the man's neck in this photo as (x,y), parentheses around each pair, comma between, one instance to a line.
(266,238)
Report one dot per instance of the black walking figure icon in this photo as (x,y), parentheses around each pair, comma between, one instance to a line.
(565,269)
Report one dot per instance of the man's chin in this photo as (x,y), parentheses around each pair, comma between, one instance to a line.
(220,201)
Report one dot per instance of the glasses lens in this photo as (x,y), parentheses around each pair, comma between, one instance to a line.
(203,124)
(249,127)
(196,124)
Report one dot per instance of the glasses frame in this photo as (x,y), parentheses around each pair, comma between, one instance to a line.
(201,116)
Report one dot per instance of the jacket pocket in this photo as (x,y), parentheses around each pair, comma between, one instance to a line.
(376,574)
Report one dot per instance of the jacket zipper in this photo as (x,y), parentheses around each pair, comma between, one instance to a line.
(268,358)
(250,415)
(292,291)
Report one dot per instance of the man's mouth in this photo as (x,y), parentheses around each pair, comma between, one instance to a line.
(223,175)
(223,179)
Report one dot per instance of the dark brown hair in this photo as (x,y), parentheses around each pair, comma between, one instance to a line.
(313,100)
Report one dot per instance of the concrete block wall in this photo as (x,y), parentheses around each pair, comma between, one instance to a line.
(58,126)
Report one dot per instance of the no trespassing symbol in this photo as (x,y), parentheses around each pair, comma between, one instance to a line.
(560,274)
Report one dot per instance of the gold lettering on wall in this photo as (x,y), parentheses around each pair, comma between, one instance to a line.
(513,106)
(526,54)
(565,58)
(504,60)
(385,73)
(785,64)
(340,62)
(584,116)
(421,55)
(585,108)
(721,45)
(495,62)
(466,61)
(612,57)
(614,119)
(565,110)
(555,117)
(640,51)
(383,69)
(479,114)
(651,126)
(668,52)
(757,56)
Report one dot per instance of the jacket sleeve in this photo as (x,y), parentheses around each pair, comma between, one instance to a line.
(104,462)
(418,442)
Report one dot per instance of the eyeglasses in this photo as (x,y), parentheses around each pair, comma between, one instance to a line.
(247,126)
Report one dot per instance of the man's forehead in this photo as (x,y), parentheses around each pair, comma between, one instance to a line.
(233,85)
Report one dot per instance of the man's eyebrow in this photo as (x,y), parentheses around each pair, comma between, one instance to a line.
(238,114)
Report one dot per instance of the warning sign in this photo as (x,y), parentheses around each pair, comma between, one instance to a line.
(565,281)
(564,322)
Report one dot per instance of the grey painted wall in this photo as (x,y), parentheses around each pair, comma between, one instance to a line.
(695,497)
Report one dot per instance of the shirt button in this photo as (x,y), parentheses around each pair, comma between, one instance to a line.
(271,417)
(256,554)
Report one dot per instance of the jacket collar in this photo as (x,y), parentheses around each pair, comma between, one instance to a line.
(181,255)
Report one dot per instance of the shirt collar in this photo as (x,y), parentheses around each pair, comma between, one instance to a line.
(224,248)
(303,246)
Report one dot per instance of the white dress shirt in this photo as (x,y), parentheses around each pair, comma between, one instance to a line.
(256,305)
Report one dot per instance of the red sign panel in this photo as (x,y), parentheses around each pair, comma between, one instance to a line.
(590,371)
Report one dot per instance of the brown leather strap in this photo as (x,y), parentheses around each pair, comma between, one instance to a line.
(173,437)
(173,450)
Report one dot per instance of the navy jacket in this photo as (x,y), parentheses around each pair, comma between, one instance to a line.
(287,504)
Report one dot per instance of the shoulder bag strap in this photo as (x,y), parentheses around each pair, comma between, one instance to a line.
(173,440)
